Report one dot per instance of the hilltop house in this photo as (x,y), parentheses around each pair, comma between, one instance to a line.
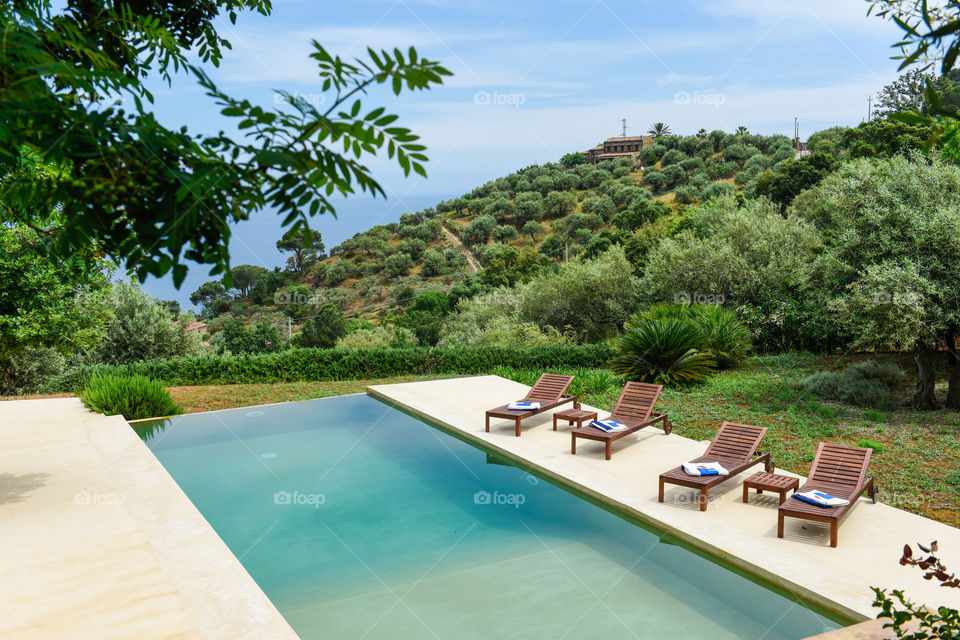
(620,147)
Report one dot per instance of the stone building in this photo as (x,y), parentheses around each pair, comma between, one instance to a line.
(620,147)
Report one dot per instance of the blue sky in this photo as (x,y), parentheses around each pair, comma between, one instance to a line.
(535,80)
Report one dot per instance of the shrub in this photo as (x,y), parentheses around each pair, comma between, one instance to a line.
(339,364)
(398,265)
(504,233)
(588,298)
(134,397)
(236,338)
(324,328)
(26,370)
(380,337)
(672,157)
(142,329)
(724,337)
(661,351)
(867,384)
(434,263)
(718,190)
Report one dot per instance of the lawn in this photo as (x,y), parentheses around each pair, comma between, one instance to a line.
(209,398)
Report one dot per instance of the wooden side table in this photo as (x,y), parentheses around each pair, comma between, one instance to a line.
(578,416)
(770,482)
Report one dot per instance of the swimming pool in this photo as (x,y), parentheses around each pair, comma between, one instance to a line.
(359,521)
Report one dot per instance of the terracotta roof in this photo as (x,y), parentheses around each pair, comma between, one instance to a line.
(193,326)
(628,139)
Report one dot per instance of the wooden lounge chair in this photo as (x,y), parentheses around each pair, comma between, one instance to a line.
(841,471)
(548,392)
(734,447)
(634,409)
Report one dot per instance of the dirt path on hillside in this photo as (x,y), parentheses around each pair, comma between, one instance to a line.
(472,261)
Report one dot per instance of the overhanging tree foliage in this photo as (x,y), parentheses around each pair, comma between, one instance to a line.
(152,197)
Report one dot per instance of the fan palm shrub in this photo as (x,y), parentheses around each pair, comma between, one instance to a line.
(725,337)
(670,351)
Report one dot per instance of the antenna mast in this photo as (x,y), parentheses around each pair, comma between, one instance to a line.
(624,121)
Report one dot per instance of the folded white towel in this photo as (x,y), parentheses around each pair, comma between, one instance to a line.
(523,406)
(821,499)
(608,425)
(704,469)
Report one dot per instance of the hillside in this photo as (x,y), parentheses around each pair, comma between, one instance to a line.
(512,227)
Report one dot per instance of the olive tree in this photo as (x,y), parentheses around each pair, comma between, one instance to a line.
(749,257)
(889,273)
(591,299)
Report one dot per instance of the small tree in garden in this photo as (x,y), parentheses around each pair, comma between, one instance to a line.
(142,329)
(323,329)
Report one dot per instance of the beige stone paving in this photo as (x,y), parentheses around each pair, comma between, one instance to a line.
(871,536)
(98,541)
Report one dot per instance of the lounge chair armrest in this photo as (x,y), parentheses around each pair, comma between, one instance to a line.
(767,461)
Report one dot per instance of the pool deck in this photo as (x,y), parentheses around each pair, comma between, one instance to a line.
(99,542)
(745,535)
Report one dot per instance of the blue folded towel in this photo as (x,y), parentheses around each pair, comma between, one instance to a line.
(523,406)
(608,425)
(704,469)
(821,499)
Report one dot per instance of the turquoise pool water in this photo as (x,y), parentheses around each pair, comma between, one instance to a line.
(359,521)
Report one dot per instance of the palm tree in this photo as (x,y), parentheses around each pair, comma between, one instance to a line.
(702,133)
(658,129)
(742,131)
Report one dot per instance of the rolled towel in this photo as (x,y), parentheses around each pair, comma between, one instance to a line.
(608,425)
(704,469)
(523,406)
(821,499)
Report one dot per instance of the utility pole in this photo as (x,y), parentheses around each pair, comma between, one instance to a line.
(566,253)
(624,121)
(869,108)
(289,329)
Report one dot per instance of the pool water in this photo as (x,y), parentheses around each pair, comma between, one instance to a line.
(359,521)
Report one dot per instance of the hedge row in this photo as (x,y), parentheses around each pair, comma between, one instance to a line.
(339,364)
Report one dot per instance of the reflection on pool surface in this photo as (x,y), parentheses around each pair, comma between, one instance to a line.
(359,521)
